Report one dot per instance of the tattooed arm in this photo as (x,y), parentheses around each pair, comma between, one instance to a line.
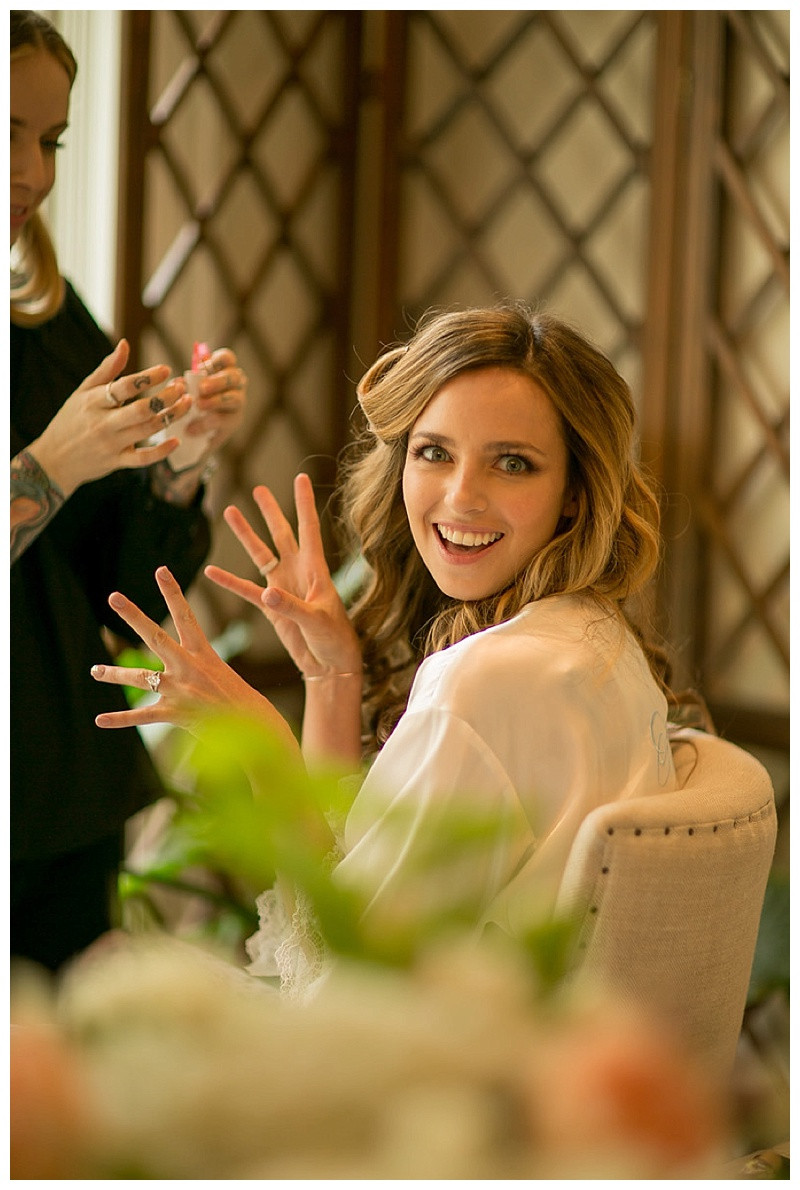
(34,502)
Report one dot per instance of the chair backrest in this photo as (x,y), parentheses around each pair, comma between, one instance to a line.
(670,888)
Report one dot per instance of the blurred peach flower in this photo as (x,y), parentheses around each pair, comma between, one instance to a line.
(454,1069)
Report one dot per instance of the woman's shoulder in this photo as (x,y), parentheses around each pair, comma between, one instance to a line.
(50,360)
(545,626)
(561,641)
(75,315)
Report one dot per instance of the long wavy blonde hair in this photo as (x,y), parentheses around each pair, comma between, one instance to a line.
(609,548)
(37,289)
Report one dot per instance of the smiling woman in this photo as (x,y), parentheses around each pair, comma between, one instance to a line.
(503,521)
(485,480)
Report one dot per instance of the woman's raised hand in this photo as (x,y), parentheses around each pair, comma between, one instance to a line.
(195,680)
(103,425)
(300,599)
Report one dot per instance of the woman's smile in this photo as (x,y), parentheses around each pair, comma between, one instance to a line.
(485,480)
(465,547)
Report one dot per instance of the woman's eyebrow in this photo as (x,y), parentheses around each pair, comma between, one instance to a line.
(513,447)
(500,447)
(53,130)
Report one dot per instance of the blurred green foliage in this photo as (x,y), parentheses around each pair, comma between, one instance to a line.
(288,827)
(771,963)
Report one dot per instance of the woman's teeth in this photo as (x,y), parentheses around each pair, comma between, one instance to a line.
(456,537)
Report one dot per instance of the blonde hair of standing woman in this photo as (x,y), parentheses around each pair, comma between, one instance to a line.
(608,549)
(37,289)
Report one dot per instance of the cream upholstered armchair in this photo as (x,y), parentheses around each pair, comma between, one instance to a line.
(669,889)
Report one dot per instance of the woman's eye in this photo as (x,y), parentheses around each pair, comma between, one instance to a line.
(514,464)
(50,146)
(434,454)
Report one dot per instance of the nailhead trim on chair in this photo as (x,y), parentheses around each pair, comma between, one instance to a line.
(755,817)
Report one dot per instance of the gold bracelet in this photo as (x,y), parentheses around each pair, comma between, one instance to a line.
(324,677)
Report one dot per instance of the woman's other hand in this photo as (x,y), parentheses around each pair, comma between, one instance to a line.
(104,425)
(300,599)
(194,681)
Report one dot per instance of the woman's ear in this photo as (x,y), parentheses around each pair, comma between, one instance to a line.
(570,508)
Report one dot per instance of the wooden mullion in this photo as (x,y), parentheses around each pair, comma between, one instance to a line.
(393,94)
(346,158)
(676,415)
(136,138)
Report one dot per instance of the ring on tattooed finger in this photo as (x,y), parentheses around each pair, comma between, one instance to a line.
(268,567)
(110,398)
(166,417)
(156,404)
(154,680)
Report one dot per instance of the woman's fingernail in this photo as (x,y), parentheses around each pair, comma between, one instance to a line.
(116,600)
(97,671)
(270,597)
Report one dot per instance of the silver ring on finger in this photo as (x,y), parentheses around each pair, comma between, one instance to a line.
(154,680)
(166,417)
(110,398)
(268,567)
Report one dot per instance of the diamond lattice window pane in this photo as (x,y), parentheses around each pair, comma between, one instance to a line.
(594,33)
(525,244)
(627,83)
(584,165)
(289,146)
(470,164)
(285,309)
(245,229)
(434,80)
(431,239)
(621,237)
(198,139)
(251,65)
(477,35)
(532,86)
(576,299)
(196,303)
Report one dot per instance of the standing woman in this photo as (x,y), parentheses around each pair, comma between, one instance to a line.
(90,510)
(489,662)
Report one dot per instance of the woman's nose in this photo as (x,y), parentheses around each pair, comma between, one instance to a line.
(466,491)
(28,167)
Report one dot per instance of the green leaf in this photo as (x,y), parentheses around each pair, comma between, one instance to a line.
(771,961)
